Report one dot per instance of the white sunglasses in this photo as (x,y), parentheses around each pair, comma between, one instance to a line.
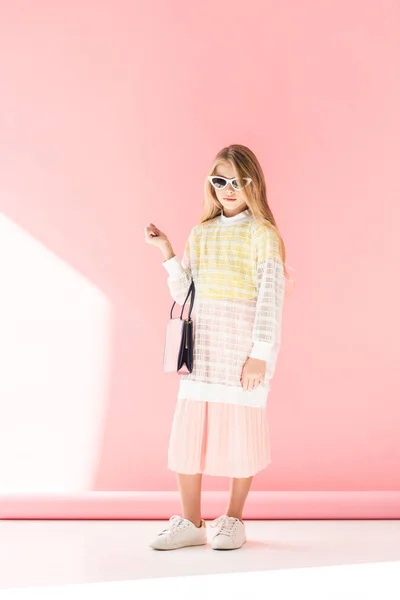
(219,182)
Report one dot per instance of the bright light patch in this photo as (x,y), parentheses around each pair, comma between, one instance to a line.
(54,368)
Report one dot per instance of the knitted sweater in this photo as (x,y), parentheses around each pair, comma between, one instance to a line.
(239,291)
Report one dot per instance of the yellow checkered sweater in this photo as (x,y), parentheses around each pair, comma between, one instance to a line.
(239,281)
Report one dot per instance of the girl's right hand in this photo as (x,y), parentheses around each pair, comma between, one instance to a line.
(155,237)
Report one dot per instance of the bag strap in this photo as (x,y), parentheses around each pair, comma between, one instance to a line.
(191,290)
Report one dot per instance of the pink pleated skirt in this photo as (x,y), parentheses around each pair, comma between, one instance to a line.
(217,438)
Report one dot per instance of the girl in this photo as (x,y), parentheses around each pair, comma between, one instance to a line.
(236,258)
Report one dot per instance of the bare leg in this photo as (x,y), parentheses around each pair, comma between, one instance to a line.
(190,490)
(239,489)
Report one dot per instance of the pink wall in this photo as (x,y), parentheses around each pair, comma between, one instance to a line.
(111,113)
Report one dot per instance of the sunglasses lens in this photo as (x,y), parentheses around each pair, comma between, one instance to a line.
(239,184)
(218,182)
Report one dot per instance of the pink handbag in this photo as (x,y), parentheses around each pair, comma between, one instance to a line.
(178,349)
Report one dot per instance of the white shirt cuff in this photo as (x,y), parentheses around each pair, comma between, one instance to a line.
(173,267)
(264,351)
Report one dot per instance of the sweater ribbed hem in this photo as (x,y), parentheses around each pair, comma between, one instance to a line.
(215,392)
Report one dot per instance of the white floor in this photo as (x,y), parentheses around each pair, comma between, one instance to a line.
(57,553)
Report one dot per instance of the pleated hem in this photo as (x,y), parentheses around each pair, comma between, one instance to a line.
(213,473)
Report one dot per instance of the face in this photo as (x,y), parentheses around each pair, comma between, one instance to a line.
(232,200)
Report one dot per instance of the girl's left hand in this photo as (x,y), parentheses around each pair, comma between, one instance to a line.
(253,373)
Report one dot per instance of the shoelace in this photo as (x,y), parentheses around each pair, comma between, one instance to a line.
(228,525)
(175,523)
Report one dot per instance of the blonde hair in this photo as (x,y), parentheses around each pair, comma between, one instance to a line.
(245,164)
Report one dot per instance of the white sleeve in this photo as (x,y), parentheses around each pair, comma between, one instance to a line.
(267,325)
(179,274)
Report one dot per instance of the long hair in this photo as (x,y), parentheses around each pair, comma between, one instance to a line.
(245,164)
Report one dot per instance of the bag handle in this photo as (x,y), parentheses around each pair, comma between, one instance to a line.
(191,289)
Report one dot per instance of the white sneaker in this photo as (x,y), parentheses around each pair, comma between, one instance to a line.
(180,532)
(231,533)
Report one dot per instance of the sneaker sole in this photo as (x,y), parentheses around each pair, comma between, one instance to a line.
(178,547)
(235,548)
